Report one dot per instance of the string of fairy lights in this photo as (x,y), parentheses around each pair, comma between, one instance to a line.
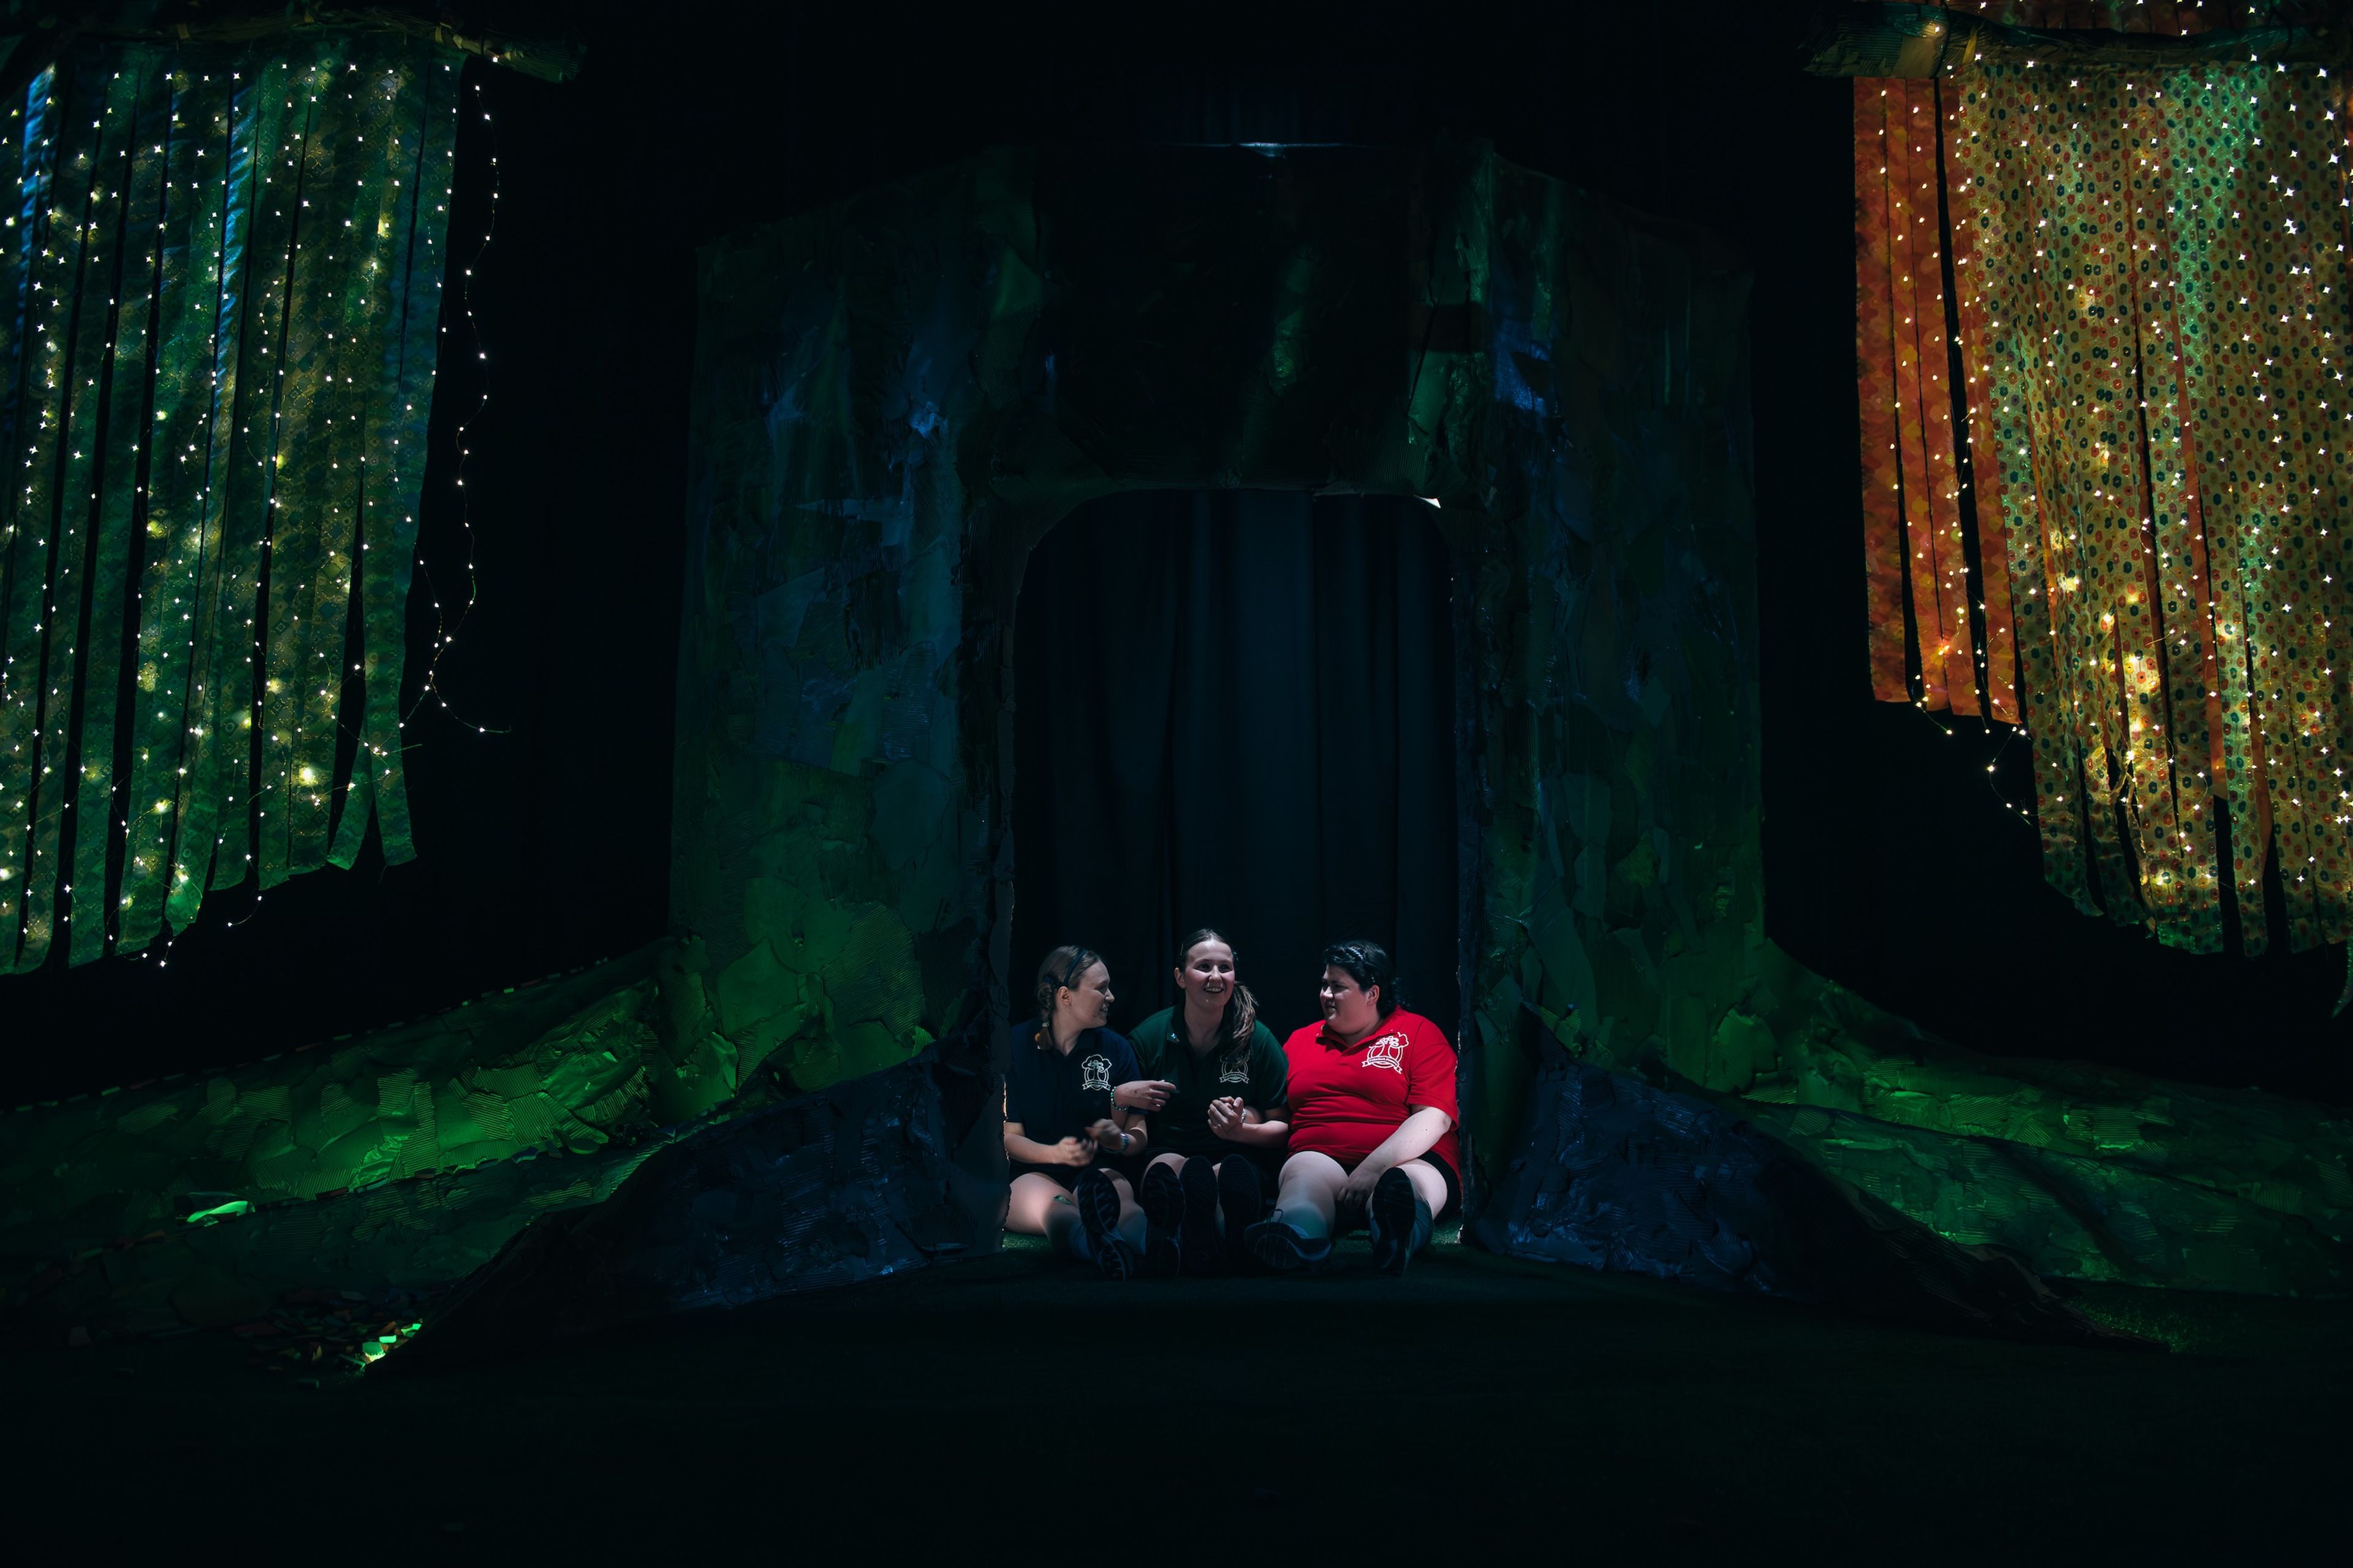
(274,469)
(2151,395)
(445,631)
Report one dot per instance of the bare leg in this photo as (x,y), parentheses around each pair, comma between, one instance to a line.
(1039,1207)
(1307,1194)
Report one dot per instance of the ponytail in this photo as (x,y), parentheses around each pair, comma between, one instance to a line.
(1058,972)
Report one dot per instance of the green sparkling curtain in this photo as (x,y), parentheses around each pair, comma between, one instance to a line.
(221,292)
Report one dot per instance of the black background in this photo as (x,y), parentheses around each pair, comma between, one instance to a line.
(1236,709)
(1894,863)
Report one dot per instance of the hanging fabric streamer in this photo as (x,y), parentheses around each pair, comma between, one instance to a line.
(2153,298)
(219,297)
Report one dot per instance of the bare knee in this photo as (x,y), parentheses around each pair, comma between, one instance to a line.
(1030,1203)
(1311,1168)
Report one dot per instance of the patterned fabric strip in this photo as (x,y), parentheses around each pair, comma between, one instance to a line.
(30,320)
(79,406)
(1992,163)
(1883,502)
(2176,559)
(1955,591)
(1983,482)
(397,462)
(100,808)
(187,299)
(1930,636)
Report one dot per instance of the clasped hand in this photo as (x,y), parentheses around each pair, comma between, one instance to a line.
(1227,1117)
(1103,1134)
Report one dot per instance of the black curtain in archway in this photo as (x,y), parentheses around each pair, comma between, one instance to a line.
(1235,708)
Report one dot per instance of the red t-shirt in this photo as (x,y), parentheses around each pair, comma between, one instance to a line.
(1347,1100)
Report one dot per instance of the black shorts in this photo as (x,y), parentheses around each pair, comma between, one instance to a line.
(1062,1176)
(1437,1162)
(1065,1177)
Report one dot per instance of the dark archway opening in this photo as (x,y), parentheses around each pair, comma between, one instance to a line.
(1237,709)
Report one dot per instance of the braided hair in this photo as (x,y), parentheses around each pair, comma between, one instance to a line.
(1057,972)
(1241,1008)
(1367,964)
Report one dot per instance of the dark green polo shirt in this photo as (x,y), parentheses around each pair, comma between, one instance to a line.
(1256,1072)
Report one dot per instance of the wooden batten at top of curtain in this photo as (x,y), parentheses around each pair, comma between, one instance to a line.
(222,275)
(2150,287)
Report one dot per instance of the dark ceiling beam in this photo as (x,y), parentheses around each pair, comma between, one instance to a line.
(1911,40)
(49,36)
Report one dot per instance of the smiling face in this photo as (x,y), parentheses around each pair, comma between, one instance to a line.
(1207,976)
(1087,1005)
(1349,1009)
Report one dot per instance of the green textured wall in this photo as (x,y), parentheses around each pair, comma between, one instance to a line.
(897,397)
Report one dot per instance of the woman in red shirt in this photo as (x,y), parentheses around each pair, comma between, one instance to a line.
(1372,1124)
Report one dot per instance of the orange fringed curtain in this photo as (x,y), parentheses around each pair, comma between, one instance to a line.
(2144,452)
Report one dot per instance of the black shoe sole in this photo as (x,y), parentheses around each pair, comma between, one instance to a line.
(1392,1213)
(1242,1198)
(1163,1199)
(1197,1234)
(1284,1250)
(1097,1202)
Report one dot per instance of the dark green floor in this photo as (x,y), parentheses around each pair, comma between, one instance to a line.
(1020,1408)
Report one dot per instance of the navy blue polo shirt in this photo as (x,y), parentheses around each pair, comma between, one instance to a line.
(1055,1095)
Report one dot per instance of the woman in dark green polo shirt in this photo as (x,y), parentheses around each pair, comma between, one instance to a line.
(1220,1121)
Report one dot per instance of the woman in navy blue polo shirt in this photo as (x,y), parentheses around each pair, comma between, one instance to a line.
(1063,1127)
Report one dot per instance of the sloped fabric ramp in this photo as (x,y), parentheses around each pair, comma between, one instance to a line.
(220,286)
(1617,1175)
(851,1183)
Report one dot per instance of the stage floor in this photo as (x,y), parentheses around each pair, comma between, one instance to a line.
(1019,1401)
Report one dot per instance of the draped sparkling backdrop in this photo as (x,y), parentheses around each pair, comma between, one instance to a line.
(2150,280)
(222,283)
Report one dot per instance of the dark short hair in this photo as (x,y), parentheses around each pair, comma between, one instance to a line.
(1367,964)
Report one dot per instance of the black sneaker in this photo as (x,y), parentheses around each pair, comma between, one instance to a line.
(1163,1199)
(1286,1251)
(1097,1202)
(1197,1236)
(1241,1195)
(1400,1222)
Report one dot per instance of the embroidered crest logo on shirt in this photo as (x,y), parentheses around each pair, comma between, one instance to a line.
(1234,1068)
(1095,1073)
(1388,1051)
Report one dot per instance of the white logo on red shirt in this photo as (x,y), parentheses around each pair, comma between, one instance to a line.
(1388,1051)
